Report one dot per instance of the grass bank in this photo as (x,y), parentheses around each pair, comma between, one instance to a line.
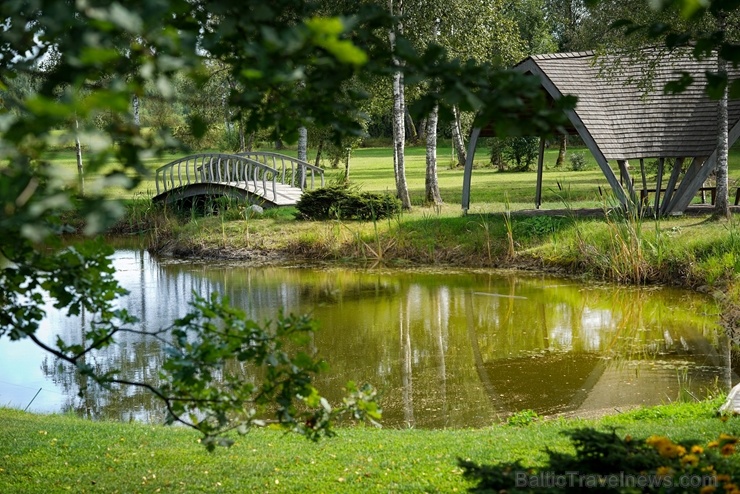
(688,251)
(57,453)
(691,251)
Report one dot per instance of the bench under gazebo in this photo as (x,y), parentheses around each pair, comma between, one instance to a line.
(622,121)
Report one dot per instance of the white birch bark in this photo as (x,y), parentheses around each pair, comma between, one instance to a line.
(303,144)
(431,185)
(78,154)
(302,153)
(135,106)
(399,117)
(457,139)
(722,204)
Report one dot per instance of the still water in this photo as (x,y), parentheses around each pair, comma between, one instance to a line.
(446,348)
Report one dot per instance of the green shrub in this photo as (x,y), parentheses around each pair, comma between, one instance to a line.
(522,418)
(606,462)
(522,151)
(577,162)
(346,203)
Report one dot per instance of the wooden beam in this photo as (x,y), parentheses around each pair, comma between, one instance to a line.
(701,176)
(644,184)
(469,169)
(658,185)
(540,166)
(588,140)
(677,164)
(683,186)
(692,181)
(624,172)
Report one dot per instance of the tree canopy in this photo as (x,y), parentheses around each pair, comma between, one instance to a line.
(287,60)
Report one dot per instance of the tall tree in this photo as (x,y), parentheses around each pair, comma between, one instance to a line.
(273,56)
(399,108)
(685,24)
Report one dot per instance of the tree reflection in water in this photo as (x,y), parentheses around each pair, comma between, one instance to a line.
(446,349)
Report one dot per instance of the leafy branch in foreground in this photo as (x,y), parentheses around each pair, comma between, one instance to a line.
(205,387)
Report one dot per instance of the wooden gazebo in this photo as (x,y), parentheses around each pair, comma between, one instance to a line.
(619,120)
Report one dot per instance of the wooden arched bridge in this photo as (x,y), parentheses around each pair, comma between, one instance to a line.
(264,178)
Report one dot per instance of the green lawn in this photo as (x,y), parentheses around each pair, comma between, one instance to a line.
(47,454)
(372,169)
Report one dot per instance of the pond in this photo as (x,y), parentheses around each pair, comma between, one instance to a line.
(446,348)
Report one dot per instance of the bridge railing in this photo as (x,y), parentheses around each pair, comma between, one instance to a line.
(217,168)
(293,171)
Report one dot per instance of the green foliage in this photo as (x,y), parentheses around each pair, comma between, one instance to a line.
(347,203)
(577,162)
(522,151)
(279,66)
(609,462)
(522,418)
(218,398)
(538,226)
(109,456)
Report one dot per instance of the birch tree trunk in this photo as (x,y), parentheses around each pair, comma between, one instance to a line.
(413,134)
(303,144)
(457,140)
(135,107)
(722,204)
(242,137)
(561,153)
(78,153)
(431,189)
(399,113)
(423,130)
(319,150)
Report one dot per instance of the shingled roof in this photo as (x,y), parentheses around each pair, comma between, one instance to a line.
(625,120)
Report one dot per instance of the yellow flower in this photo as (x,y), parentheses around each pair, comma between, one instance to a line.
(663,471)
(670,450)
(707,489)
(692,460)
(723,477)
(729,487)
(696,449)
(712,444)
(727,449)
(657,441)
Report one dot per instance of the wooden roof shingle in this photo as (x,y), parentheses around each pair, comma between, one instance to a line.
(627,121)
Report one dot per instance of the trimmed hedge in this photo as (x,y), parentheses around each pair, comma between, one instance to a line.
(346,203)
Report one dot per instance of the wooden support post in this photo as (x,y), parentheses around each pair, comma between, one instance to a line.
(643,194)
(702,173)
(688,186)
(469,169)
(540,166)
(588,140)
(658,186)
(624,173)
(677,164)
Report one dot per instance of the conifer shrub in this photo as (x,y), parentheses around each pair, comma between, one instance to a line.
(604,461)
(345,202)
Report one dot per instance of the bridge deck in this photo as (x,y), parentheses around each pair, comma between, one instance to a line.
(285,195)
(252,176)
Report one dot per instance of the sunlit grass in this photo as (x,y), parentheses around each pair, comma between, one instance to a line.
(372,169)
(51,453)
